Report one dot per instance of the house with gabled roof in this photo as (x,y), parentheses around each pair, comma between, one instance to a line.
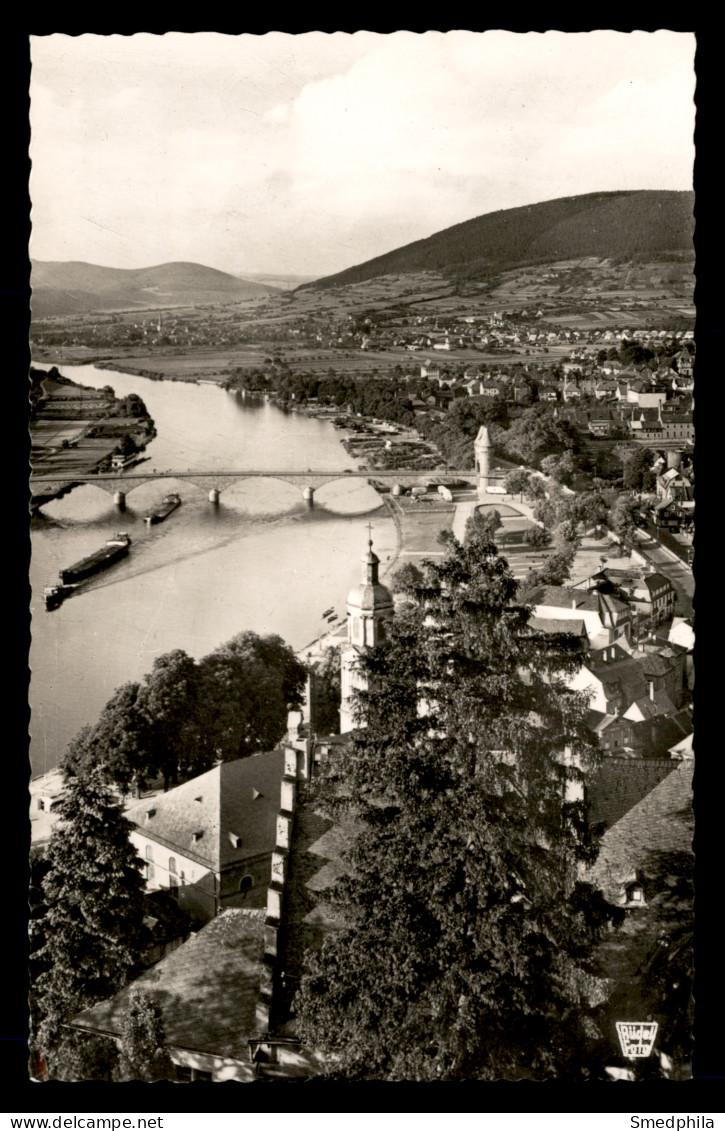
(637,686)
(605,617)
(210,840)
(208,991)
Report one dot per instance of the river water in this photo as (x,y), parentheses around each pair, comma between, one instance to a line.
(261,560)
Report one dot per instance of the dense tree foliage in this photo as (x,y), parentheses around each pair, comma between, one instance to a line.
(638,473)
(559,467)
(536,434)
(407,579)
(517,482)
(248,686)
(143,1055)
(466,939)
(185,715)
(625,520)
(327,692)
(92,927)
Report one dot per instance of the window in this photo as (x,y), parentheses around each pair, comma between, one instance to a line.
(172,864)
(245,884)
(149,852)
(41,804)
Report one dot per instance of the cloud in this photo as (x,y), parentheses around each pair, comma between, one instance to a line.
(337,148)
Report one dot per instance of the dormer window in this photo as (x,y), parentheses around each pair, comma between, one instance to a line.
(235,840)
(635,894)
(196,837)
(149,814)
(255,794)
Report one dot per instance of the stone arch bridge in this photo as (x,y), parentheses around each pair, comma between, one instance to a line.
(45,487)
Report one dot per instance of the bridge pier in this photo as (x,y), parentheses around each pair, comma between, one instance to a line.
(119,500)
(214,496)
(309,496)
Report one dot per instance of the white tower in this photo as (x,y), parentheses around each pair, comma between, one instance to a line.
(369,605)
(482,450)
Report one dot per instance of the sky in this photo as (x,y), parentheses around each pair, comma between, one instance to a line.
(306,154)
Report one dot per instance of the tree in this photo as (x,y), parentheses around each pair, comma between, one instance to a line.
(559,467)
(536,489)
(174,710)
(143,1055)
(327,683)
(407,579)
(466,934)
(537,537)
(566,536)
(483,522)
(536,434)
(591,508)
(121,742)
(517,482)
(248,686)
(637,472)
(93,930)
(625,519)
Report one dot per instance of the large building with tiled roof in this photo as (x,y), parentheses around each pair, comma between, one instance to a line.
(208,990)
(210,840)
(661,823)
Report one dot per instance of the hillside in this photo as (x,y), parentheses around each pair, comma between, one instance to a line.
(74,287)
(619,225)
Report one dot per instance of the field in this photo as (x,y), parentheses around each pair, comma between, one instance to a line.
(75,430)
(310,330)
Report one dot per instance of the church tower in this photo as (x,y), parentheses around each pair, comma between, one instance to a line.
(369,605)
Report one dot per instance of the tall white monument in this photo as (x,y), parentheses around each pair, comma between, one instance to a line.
(482,450)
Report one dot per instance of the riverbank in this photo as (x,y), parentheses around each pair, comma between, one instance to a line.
(77,431)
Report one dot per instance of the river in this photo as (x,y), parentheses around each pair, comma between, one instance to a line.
(261,560)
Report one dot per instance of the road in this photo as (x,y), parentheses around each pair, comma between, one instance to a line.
(666,563)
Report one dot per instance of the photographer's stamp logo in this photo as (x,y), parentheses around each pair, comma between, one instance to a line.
(637,1038)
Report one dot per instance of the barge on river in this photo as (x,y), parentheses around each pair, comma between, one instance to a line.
(170,503)
(115,549)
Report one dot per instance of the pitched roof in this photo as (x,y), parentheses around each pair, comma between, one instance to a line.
(650,708)
(555,625)
(561,597)
(208,988)
(234,807)
(662,822)
(619,783)
(656,581)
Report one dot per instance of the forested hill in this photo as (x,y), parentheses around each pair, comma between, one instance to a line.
(74,287)
(625,225)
